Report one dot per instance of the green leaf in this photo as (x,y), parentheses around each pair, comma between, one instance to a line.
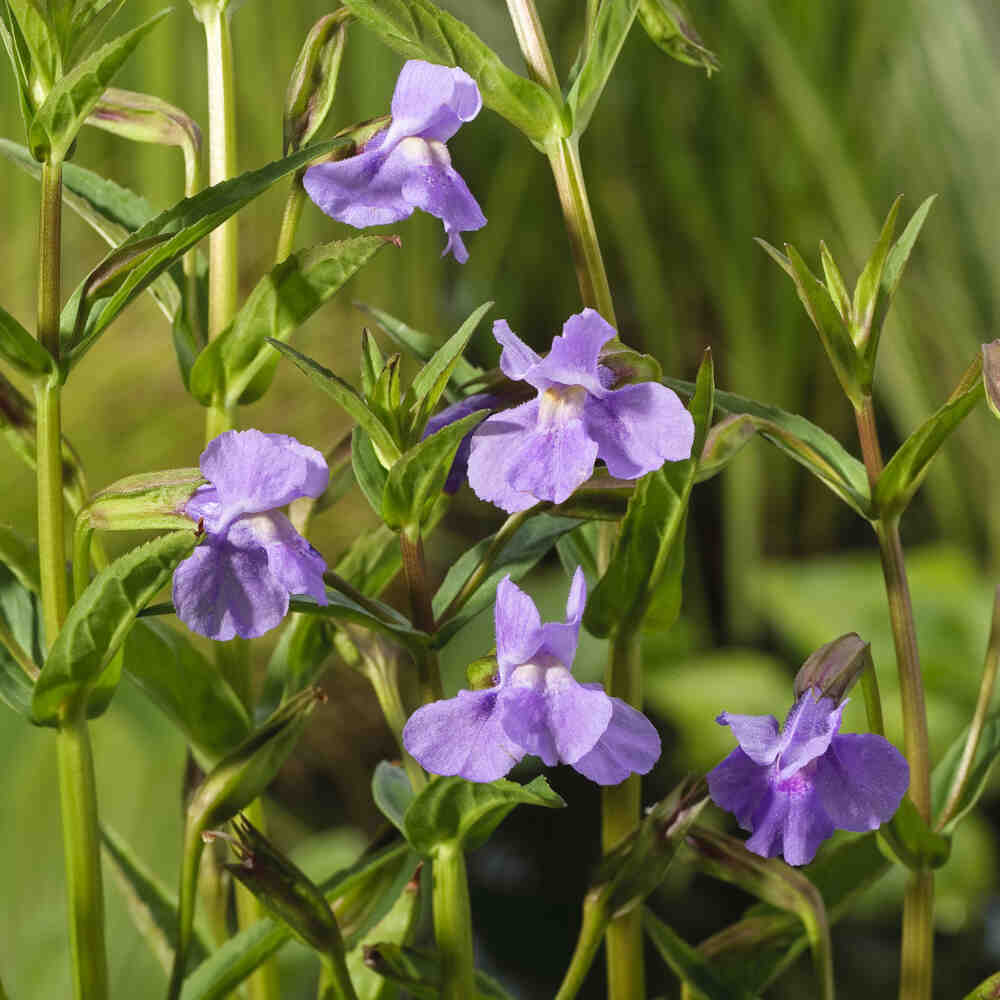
(372,363)
(89,20)
(392,792)
(460,813)
(833,331)
(368,470)
(909,841)
(670,29)
(17,52)
(988,989)
(611,27)
(527,545)
(823,455)
(99,621)
(417,478)
(905,471)
(431,381)
(420,30)
(419,971)
(689,964)
(866,290)
(151,905)
(421,345)
(297,660)
(981,766)
(21,625)
(371,561)
(74,95)
(991,376)
(20,557)
(188,222)
(238,365)
(360,896)
(346,396)
(187,688)
(20,350)
(40,39)
(835,284)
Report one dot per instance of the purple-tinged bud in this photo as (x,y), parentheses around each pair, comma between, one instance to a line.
(151,501)
(834,668)
(313,82)
(991,375)
(628,365)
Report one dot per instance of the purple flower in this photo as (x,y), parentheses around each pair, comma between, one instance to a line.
(238,581)
(407,165)
(535,706)
(463,408)
(544,449)
(792,788)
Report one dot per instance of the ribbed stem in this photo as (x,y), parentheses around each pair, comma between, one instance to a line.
(453,924)
(411,549)
(294,204)
(917,963)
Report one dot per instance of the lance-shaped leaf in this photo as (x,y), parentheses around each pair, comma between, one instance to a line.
(305,643)
(644,573)
(313,83)
(417,478)
(185,686)
(392,792)
(73,96)
(905,471)
(991,376)
(866,290)
(20,350)
(420,972)
(346,396)
(908,840)
(20,61)
(99,621)
(90,18)
(369,472)
(150,904)
(360,896)
(420,30)
(455,813)
(20,557)
(21,640)
(835,284)
(238,365)
(611,27)
(823,455)
(477,573)
(40,39)
(187,222)
(723,443)
(690,965)
(669,27)
(421,345)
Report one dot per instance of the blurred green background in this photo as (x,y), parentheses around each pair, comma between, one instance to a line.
(821,115)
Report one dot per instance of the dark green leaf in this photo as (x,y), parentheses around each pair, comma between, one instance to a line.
(579,548)
(421,345)
(430,382)
(460,813)
(20,350)
(905,471)
(89,20)
(346,396)
(419,972)
(908,840)
(73,96)
(420,30)
(392,792)
(368,470)
(21,627)
(689,964)
(151,905)
(981,766)
(188,222)
(297,660)
(20,557)
(809,445)
(866,290)
(526,547)
(371,561)
(186,687)
(99,621)
(611,27)
(417,478)
(669,27)
(238,365)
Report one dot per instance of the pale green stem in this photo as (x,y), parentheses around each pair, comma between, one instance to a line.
(533,44)
(383,677)
(186,897)
(294,204)
(453,923)
(81,841)
(917,956)
(986,687)
(595,921)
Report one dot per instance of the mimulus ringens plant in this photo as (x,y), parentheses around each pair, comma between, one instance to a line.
(794,786)
(407,165)
(535,706)
(545,448)
(238,581)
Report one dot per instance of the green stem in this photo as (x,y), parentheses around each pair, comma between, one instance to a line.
(49,258)
(595,921)
(334,979)
(533,44)
(917,963)
(453,923)
(51,527)
(294,204)
(81,840)
(411,549)
(186,898)
(382,671)
(620,809)
(986,687)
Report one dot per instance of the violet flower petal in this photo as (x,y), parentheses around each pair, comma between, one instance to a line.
(254,472)
(432,101)
(639,427)
(462,736)
(552,462)
(221,592)
(861,781)
(807,732)
(573,359)
(495,452)
(516,358)
(456,411)
(559,639)
(805,824)
(758,736)
(738,785)
(629,745)
(291,560)
(518,626)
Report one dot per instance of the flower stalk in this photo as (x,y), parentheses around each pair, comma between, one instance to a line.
(453,923)
(595,922)
(411,548)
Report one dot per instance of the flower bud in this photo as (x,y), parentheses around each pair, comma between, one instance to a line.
(282,887)
(313,82)
(629,365)
(991,375)
(834,668)
(150,501)
(482,673)
(724,442)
